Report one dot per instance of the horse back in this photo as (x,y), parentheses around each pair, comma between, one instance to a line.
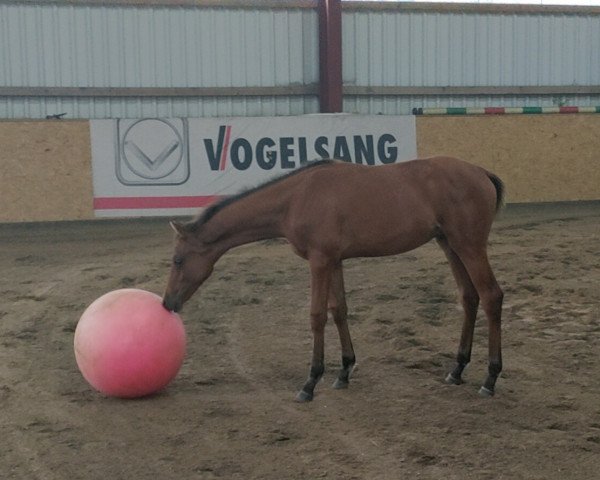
(370,211)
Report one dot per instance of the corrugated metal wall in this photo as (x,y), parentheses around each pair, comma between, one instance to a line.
(156,47)
(165,107)
(111,46)
(389,47)
(432,49)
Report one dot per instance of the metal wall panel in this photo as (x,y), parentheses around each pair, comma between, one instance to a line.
(384,48)
(132,107)
(109,46)
(441,49)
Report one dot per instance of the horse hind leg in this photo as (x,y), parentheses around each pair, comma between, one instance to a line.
(491,297)
(339,311)
(469,299)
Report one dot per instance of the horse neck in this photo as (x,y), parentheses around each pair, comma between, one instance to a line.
(249,219)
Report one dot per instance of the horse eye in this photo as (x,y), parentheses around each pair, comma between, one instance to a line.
(178,261)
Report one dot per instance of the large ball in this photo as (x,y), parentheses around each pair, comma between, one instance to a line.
(128,345)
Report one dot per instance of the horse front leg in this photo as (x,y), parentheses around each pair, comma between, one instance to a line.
(339,311)
(320,270)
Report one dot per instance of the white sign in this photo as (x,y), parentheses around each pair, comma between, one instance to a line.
(157,166)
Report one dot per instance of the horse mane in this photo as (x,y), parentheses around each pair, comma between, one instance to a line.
(216,207)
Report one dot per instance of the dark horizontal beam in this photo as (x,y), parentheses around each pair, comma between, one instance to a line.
(291,90)
(463,91)
(497,8)
(247,4)
(347,6)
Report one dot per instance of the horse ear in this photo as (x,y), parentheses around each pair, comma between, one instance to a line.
(178,228)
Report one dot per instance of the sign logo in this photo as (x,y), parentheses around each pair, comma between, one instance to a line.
(152,151)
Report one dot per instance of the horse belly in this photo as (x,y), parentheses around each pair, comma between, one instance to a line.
(391,235)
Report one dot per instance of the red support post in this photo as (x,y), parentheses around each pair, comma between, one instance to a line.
(330,56)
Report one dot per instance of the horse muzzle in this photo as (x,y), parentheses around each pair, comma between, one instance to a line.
(172,304)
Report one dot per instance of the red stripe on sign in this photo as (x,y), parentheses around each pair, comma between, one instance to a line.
(225,148)
(133,203)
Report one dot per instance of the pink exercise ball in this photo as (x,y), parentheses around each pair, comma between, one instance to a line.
(128,345)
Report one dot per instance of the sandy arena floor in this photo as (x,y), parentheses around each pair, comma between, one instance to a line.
(230,413)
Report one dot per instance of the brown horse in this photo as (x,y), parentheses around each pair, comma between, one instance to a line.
(330,211)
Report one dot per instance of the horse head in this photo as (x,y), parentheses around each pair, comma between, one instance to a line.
(192,263)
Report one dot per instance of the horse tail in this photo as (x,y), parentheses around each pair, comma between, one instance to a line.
(500,190)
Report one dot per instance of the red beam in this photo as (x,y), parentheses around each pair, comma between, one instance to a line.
(134,203)
(330,56)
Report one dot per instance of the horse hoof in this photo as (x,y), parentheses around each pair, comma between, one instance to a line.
(486,392)
(340,384)
(304,397)
(452,380)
